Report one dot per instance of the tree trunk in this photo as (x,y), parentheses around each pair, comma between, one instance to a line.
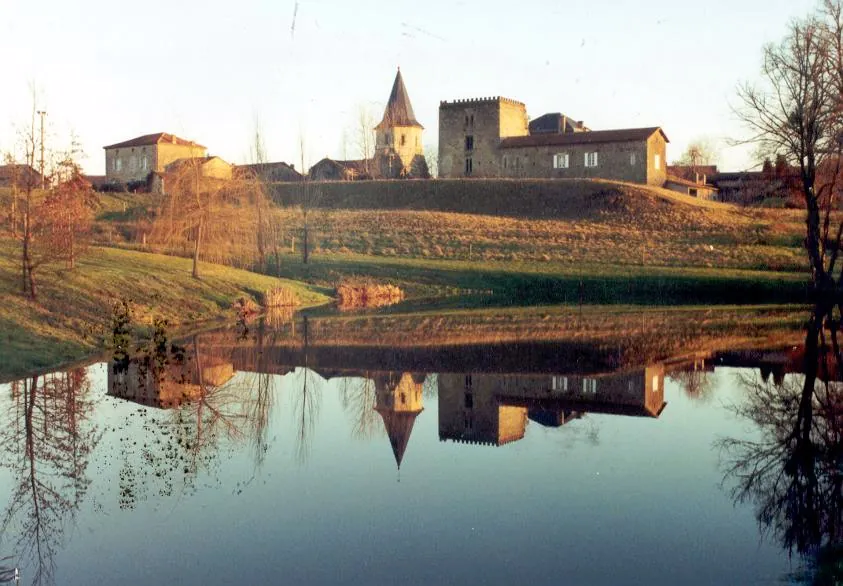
(196,247)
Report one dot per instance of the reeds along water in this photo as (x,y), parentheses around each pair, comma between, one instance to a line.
(357,295)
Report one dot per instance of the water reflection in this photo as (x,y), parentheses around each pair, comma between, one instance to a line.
(793,471)
(45,441)
(226,396)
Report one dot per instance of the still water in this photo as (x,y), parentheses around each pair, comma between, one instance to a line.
(376,452)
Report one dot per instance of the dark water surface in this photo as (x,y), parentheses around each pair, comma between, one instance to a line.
(378,452)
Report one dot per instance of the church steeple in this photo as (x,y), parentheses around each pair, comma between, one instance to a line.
(399,110)
(399,402)
(398,136)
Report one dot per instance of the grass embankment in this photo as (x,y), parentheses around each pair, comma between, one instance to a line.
(534,222)
(72,315)
(530,283)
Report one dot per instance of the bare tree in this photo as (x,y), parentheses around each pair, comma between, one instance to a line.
(206,217)
(796,113)
(699,153)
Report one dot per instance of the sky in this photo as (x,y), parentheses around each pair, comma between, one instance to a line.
(302,71)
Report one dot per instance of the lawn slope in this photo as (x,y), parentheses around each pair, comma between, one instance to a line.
(72,315)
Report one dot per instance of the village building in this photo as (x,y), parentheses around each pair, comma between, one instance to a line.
(692,180)
(279,172)
(399,151)
(132,161)
(493,138)
(494,409)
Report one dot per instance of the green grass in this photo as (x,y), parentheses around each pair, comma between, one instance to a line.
(531,283)
(72,315)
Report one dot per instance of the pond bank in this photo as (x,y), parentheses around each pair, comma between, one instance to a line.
(72,317)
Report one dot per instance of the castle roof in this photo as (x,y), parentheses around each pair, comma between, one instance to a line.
(399,426)
(555,122)
(399,110)
(592,137)
(151,139)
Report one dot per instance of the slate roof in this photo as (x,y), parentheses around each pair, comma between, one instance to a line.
(552,123)
(151,139)
(399,110)
(591,137)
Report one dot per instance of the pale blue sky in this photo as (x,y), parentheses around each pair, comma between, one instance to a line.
(110,71)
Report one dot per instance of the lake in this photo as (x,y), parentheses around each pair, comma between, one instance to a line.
(542,446)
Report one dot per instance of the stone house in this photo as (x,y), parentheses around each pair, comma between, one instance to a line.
(492,137)
(213,169)
(133,161)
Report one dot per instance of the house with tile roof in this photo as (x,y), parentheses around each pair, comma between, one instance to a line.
(133,161)
(493,137)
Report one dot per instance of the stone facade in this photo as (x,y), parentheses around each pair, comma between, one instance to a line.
(470,132)
(492,137)
(134,160)
(493,409)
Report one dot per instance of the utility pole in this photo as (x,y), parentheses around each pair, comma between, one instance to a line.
(42,113)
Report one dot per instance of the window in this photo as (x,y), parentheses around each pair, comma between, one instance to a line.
(469,166)
(403,139)
(144,163)
(466,119)
(655,383)
(388,138)
(119,163)
(632,159)
(504,161)
(589,385)
(468,381)
(561,161)
(591,159)
(657,162)
(469,143)
(469,401)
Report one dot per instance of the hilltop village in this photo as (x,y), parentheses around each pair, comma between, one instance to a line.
(479,138)
(489,137)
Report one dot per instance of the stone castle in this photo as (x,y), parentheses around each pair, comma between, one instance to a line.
(493,137)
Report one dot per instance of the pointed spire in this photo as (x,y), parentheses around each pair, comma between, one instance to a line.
(399,426)
(399,110)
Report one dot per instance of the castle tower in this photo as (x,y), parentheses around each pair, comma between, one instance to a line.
(398,401)
(399,132)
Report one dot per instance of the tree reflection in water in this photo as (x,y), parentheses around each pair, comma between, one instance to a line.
(46,439)
(793,471)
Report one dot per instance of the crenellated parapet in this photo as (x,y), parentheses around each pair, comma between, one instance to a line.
(462,102)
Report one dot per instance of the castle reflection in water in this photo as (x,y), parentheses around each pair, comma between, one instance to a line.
(486,406)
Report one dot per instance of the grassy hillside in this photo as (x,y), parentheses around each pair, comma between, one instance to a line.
(556,222)
(72,314)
